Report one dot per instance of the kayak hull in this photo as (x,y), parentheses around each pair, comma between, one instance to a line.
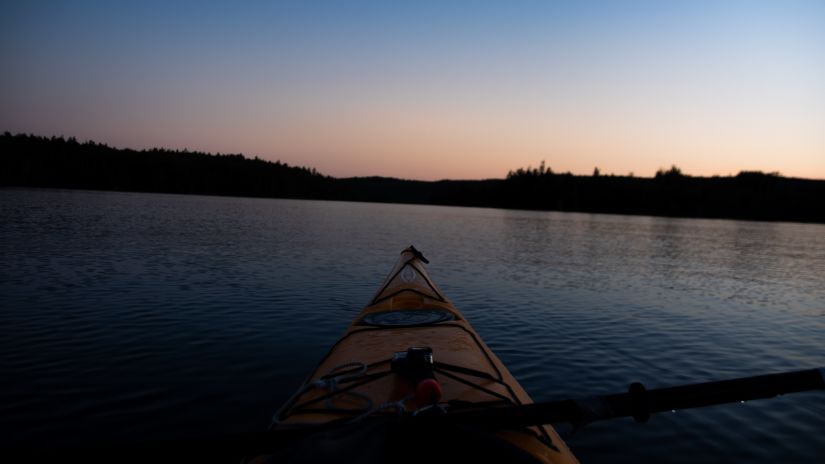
(410,311)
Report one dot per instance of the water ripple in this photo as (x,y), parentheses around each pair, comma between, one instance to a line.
(162,316)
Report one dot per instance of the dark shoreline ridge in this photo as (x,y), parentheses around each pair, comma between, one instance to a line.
(34,161)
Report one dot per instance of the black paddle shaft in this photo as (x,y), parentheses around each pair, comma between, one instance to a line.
(639,403)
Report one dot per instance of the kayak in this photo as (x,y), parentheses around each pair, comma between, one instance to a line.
(409,358)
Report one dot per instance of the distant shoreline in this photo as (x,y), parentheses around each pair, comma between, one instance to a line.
(55,162)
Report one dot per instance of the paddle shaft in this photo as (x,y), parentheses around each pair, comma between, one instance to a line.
(640,403)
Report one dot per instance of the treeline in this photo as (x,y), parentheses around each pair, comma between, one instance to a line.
(749,195)
(27,160)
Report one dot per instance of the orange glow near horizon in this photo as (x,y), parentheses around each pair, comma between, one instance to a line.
(430,91)
(444,145)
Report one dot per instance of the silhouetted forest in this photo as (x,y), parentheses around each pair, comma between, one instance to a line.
(33,161)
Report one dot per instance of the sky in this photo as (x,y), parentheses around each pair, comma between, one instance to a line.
(430,90)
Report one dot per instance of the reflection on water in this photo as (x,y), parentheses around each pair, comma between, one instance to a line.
(151,316)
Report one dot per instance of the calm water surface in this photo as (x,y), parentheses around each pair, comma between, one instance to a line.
(146,316)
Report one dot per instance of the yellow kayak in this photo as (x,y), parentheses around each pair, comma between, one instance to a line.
(409,353)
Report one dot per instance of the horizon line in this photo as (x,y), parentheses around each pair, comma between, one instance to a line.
(547,169)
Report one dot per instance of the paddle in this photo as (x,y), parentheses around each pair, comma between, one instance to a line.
(638,402)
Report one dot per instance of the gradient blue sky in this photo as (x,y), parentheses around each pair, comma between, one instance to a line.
(430,90)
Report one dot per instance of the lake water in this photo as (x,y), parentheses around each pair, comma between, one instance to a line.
(132,316)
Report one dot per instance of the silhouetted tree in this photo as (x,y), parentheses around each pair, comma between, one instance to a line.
(27,160)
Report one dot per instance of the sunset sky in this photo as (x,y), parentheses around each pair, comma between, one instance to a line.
(430,90)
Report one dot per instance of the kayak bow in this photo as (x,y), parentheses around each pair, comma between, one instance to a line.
(409,353)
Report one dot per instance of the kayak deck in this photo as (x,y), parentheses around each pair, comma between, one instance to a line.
(356,379)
